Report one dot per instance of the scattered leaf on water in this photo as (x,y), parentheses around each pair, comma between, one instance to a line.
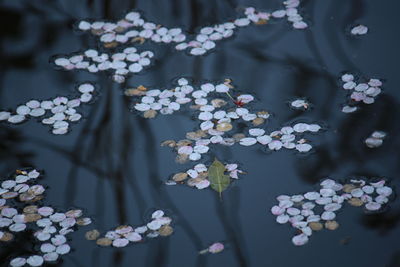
(315,226)
(170,143)
(331,225)
(104,242)
(180,176)
(356,202)
(219,181)
(224,127)
(166,230)
(258,121)
(348,187)
(92,235)
(149,114)
(7,237)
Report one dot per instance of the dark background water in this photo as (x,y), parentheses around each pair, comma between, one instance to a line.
(112,166)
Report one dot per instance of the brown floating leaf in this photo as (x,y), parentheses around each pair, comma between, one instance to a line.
(347,188)
(134,92)
(331,225)
(180,176)
(193,135)
(92,235)
(120,29)
(258,121)
(110,45)
(7,237)
(315,226)
(224,127)
(149,114)
(201,133)
(237,137)
(26,197)
(165,230)
(104,242)
(182,158)
(97,31)
(195,107)
(356,202)
(74,213)
(217,103)
(21,172)
(32,217)
(142,88)
(30,209)
(263,113)
(261,22)
(170,143)
(141,40)
(184,142)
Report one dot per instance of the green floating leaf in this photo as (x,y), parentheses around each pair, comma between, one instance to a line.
(219,181)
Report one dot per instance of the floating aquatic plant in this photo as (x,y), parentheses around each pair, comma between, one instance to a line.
(120,64)
(313,210)
(62,110)
(134,28)
(376,139)
(202,177)
(219,109)
(18,195)
(159,225)
(365,92)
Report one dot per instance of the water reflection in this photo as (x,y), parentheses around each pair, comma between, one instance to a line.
(119,155)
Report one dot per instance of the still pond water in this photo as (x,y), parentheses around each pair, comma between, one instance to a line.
(111,165)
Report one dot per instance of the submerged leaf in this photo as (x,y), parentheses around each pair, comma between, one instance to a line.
(219,180)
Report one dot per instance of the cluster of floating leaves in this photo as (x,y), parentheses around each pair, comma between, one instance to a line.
(218,112)
(360,92)
(18,195)
(214,248)
(133,28)
(292,14)
(62,110)
(359,30)
(376,139)
(119,64)
(201,177)
(314,210)
(159,225)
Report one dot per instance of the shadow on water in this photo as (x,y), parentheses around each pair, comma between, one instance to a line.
(107,141)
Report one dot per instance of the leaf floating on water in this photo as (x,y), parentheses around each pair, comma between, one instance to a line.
(316,226)
(180,176)
(298,210)
(219,181)
(165,230)
(7,237)
(104,242)
(331,225)
(92,235)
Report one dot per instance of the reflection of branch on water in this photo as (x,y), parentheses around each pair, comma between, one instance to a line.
(227,211)
(383,222)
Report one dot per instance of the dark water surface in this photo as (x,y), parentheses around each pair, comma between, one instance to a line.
(111,163)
